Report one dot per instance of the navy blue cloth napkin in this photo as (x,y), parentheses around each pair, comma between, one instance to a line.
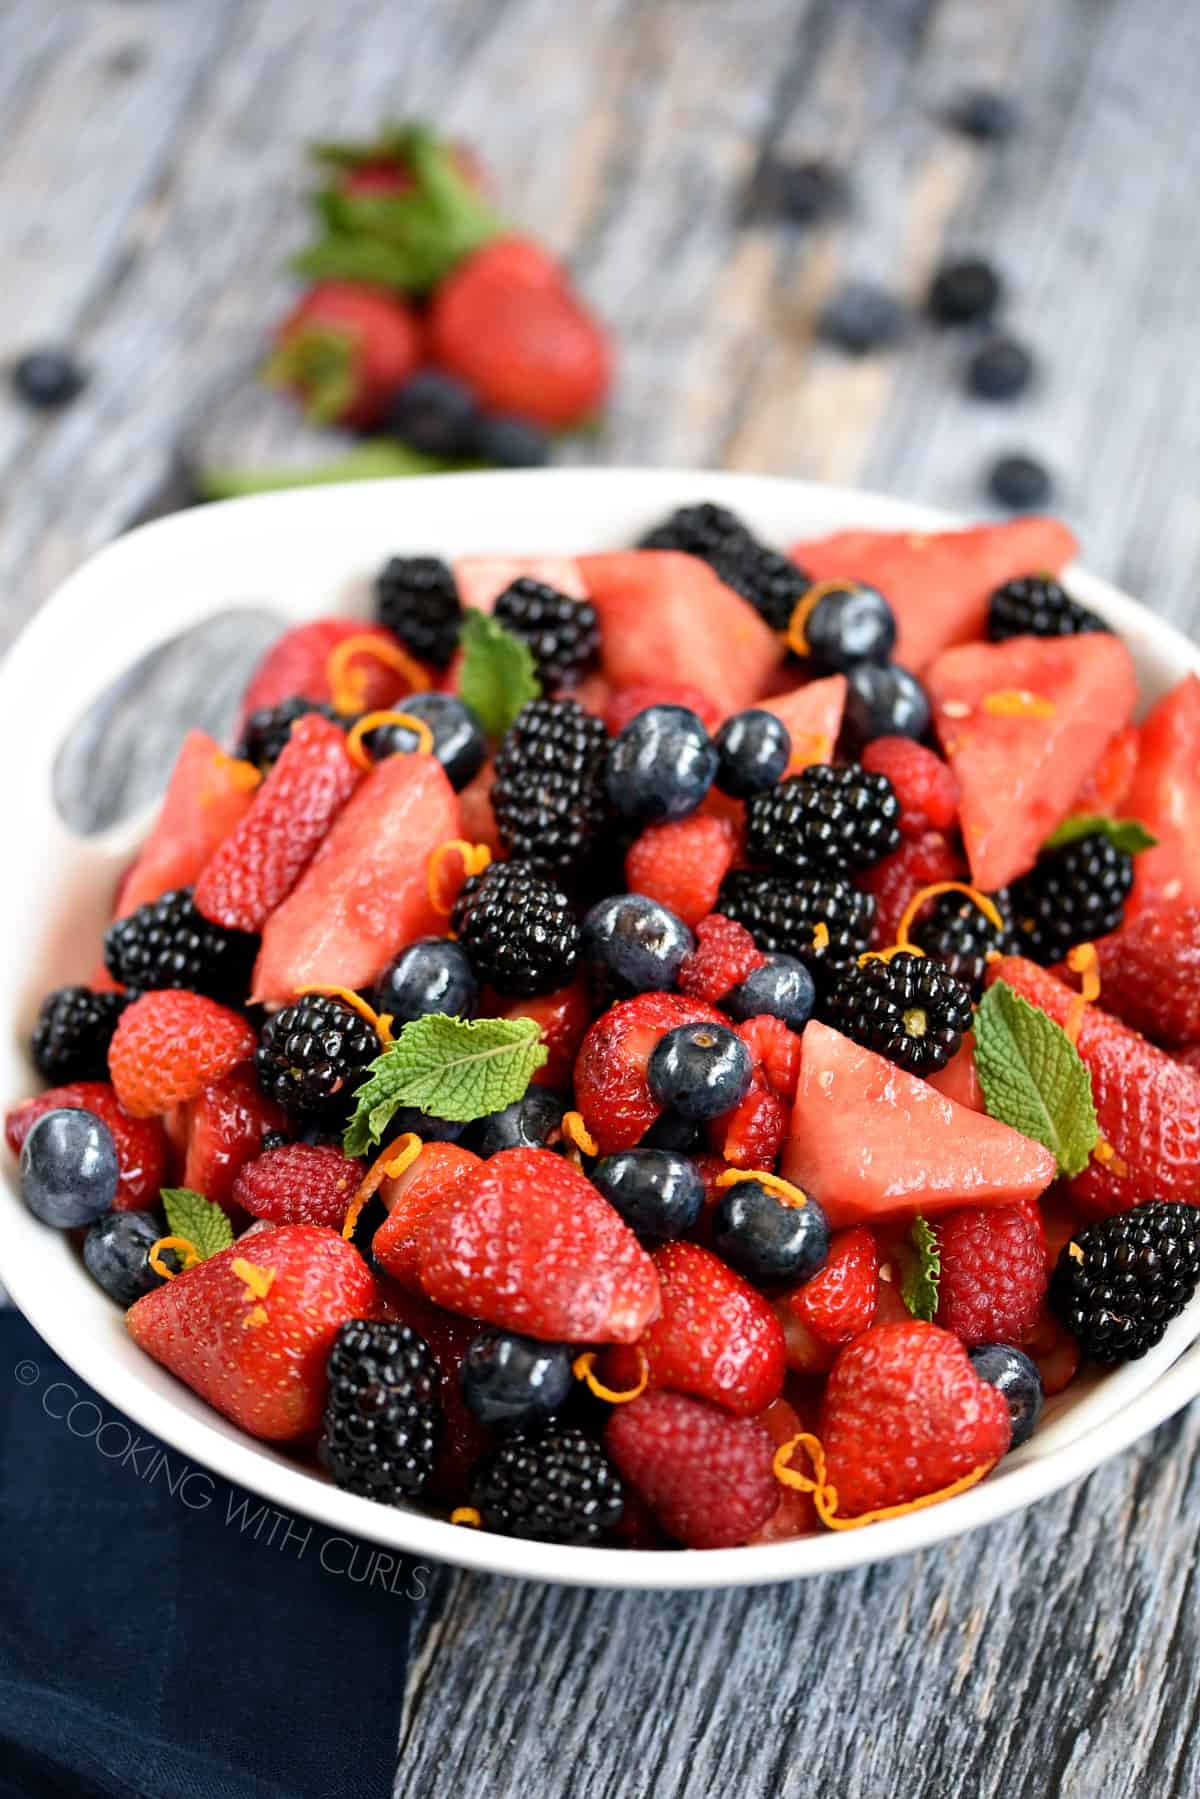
(166,1636)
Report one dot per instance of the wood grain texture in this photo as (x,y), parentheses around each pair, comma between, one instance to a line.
(150,174)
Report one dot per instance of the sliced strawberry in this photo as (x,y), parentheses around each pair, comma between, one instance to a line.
(226,1125)
(562,1018)
(169,1046)
(1150,975)
(795,1515)
(437,1176)
(716,1336)
(141,1143)
(840,1301)
(682,863)
(611,1089)
(208,795)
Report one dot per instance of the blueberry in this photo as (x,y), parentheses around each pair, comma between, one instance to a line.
(658,1192)
(637,941)
(458,740)
(1012,1373)
(883,702)
(508,442)
(507,1379)
(851,624)
(432,975)
(965,293)
(661,765)
(861,317)
(796,193)
(525,1124)
(425,1125)
(1019,483)
(753,750)
(116,1253)
(768,1240)
(700,1070)
(982,113)
(434,413)
(781,988)
(999,369)
(47,378)
(68,1168)
(671,1130)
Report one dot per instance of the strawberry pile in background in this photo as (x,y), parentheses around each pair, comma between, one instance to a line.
(681,1046)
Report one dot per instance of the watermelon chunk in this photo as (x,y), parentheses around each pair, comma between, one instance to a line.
(959,1079)
(1165,795)
(868,1140)
(1021,724)
(363,896)
(482,579)
(939,582)
(666,616)
(813,716)
(207,797)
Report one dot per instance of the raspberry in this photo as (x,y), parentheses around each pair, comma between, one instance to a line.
(1150,975)
(416,598)
(167,943)
(168,1046)
(563,634)
(1071,895)
(752,1134)
(916,864)
(141,1143)
(839,1303)
(555,1485)
(611,1089)
(924,785)
(715,1337)
(548,796)
(1119,1283)
(73,1032)
(298,1183)
(311,1056)
(518,929)
(708,1478)
(826,817)
(993,1278)
(682,863)
(627,702)
(776,1050)
(724,955)
(382,1418)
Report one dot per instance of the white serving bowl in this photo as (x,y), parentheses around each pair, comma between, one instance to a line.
(308,552)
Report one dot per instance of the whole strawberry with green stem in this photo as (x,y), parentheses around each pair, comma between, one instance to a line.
(343,351)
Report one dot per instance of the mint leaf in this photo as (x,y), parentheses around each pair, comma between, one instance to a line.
(1128,834)
(375,460)
(1033,1078)
(498,673)
(453,1068)
(920,1287)
(198,1219)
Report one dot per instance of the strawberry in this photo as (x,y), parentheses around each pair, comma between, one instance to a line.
(1148,1106)
(562,1018)
(993,1279)
(919,862)
(707,1477)
(225,1130)
(716,1336)
(627,702)
(259,864)
(527,1243)
(1056,1353)
(682,863)
(724,955)
(437,1176)
(924,785)
(795,1515)
(840,1301)
(208,795)
(343,350)
(611,1090)
(141,1143)
(752,1133)
(169,1046)
(298,663)
(1165,796)
(776,1051)
(508,324)
(298,1183)
(905,1414)
(250,1329)
(1104,790)
(1150,975)
(1189,1058)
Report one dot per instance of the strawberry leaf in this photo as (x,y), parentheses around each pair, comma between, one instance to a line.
(1033,1077)
(198,1219)
(1128,834)
(453,1068)
(498,673)
(920,1288)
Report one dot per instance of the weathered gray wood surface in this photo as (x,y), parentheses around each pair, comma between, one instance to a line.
(149,173)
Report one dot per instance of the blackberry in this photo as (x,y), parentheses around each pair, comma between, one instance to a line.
(167,943)
(311,1056)
(416,597)
(1071,895)
(518,929)
(266,731)
(73,1031)
(563,634)
(555,1485)
(548,795)
(909,1010)
(1118,1284)
(382,1418)
(1037,606)
(959,936)
(824,817)
(782,915)
(772,584)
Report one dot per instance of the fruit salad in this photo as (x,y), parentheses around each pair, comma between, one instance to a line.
(680,1047)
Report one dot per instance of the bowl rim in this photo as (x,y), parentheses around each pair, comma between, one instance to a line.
(220,1447)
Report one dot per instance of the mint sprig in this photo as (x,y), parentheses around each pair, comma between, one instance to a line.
(919,1289)
(452,1068)
(1128,834)
(1033,1077)
(376,459)
(498,676)
(198,1219)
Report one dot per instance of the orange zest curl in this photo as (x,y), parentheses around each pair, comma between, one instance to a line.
(582,1368)
(259,1281)
(389,1164)
(924,894)
(230,771)
(774,1184)
(820,937)
(794,636)
(348,688)
(182,1246)
(808,747)
(475,858)
(1108,1158)
(1082,960)
(1016,702)
(825,1497)
(380,1022)
(576,1132)
(468,1515)
(370,721)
